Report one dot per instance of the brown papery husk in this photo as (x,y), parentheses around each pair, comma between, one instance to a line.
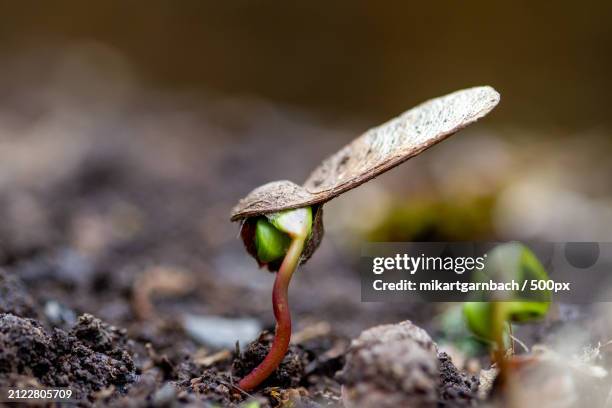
(373,153)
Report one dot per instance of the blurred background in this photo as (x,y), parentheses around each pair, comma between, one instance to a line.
(129,130)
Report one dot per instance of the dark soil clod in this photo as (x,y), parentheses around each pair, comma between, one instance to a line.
(456,389)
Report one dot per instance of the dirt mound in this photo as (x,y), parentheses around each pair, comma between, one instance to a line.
(89,358)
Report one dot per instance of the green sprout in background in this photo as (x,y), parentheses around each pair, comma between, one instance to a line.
(491,319)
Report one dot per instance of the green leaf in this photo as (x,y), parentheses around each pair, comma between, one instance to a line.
(478,318)
(271,243)
(515,262)
(523,312)
(512,261)
(454,331)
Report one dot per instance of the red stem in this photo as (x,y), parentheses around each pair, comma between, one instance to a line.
(280,303)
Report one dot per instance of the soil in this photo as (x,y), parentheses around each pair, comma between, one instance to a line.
(288,375)
(93,242)
(93,356)
(456,388)
(86,299)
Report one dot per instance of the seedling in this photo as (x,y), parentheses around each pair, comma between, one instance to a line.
(279,235)
(492,320)
(282,221)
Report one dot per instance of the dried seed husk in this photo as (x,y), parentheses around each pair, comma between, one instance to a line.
(316,235)
(371,154)
(272,197)
(401,138)
(374,152)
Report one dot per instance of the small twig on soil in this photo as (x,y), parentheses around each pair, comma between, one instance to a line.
(161,281)
(311,332)
(523,345)
(206,361)
(232,385)
(104,393)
